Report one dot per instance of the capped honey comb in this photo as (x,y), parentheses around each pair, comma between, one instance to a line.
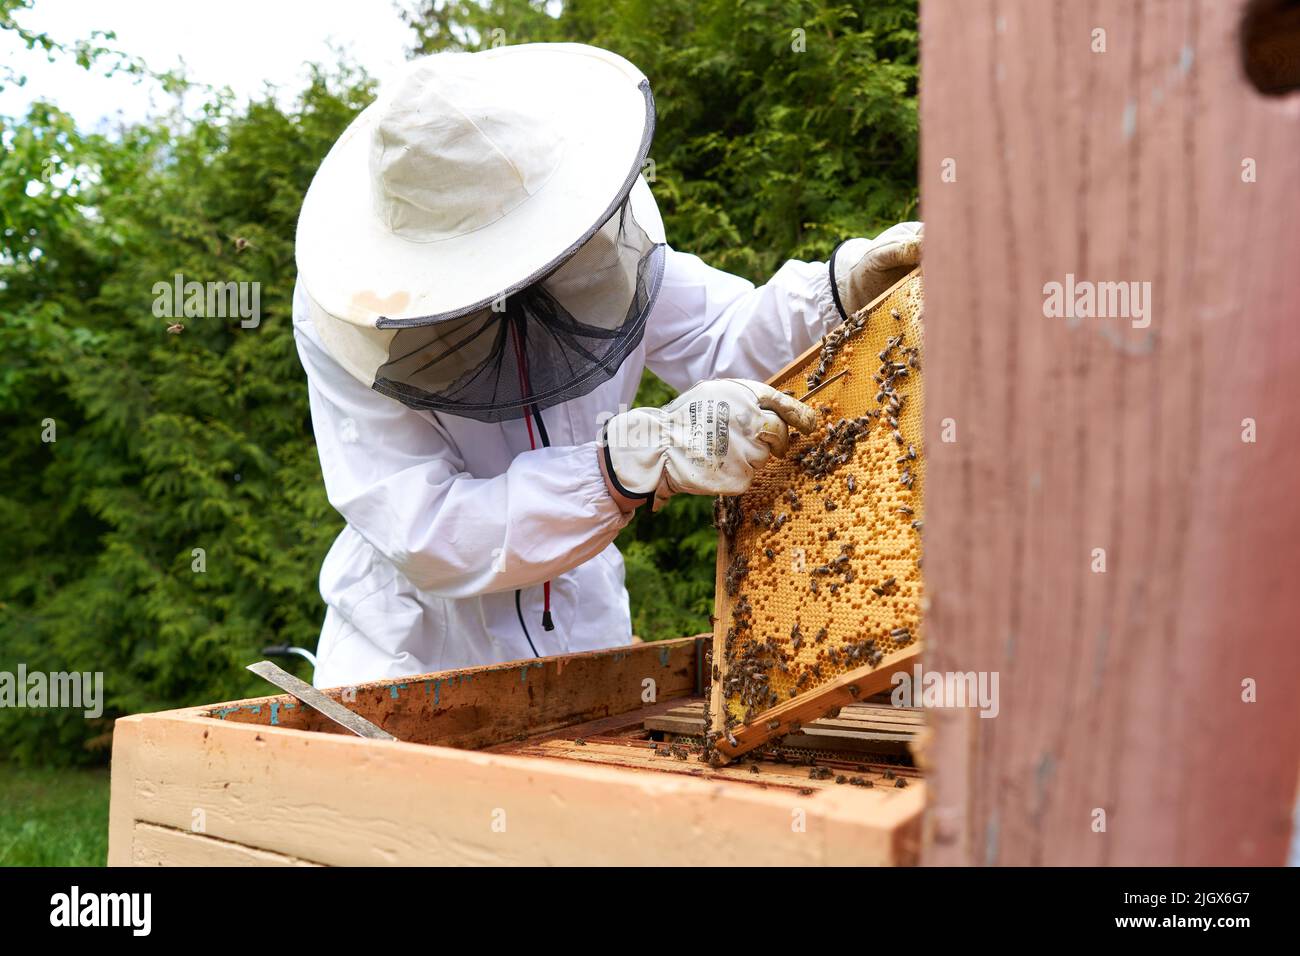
(819,563)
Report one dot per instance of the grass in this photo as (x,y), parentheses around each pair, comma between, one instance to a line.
(52,817)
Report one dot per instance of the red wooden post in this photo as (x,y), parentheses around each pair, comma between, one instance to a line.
(1162,444)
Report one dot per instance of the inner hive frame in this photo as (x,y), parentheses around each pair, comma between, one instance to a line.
(819,563)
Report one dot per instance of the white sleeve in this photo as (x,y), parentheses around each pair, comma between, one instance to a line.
(707,323)
(400,482)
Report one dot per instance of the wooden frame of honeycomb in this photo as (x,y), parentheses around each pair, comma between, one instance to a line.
(819,563)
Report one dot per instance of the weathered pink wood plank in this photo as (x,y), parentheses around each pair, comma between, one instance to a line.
(1119,691)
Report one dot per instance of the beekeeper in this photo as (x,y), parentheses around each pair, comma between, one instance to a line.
(482,277)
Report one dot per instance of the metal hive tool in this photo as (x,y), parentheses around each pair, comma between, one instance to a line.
(819,581)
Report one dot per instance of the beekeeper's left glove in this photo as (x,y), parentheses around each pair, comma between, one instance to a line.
(708,441)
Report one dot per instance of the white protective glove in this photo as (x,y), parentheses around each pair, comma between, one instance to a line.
(708,441)
(862,269)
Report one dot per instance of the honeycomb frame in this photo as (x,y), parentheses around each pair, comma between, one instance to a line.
(818,598)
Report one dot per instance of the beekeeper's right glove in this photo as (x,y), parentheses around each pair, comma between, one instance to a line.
(863,269)
(708,441)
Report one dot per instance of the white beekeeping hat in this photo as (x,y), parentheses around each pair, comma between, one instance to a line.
(479,240)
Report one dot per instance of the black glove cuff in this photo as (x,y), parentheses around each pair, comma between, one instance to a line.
(835,286)
(612,474)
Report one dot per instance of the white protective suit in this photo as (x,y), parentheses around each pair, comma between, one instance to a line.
(453,525)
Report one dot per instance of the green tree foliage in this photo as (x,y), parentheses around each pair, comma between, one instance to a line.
(772,143)
(177,521)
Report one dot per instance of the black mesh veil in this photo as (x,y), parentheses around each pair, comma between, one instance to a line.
(554,340)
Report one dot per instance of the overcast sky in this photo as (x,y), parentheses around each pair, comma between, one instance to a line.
(238,43)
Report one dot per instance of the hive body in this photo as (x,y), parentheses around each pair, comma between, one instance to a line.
(819,562)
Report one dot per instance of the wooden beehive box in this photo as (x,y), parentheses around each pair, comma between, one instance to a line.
(819,563)
(552,761)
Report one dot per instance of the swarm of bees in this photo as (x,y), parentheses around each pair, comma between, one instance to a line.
(727,514)
(738,569)
(832,343)
(835,447)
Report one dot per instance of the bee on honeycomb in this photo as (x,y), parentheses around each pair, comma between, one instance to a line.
(827,569)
